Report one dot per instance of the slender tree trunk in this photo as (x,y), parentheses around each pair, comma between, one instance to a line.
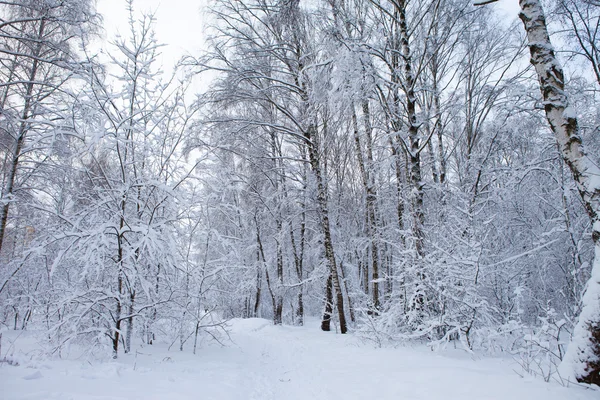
(120,279)
(184,313)
(117,316)
(363,271)
(413,132)
(582,360)
(371,198)
(350,306)
(439,173)
(395,125)
(310,136)
(372,205)
(258,292)
(279,287)
(298,263)
(262,260)
(8,190)
(389,282)
(325,225)
(120,274)
(434,170)
(151,334)
(129,333)
(196,332)
(414,156)
(400,201)
(326,321)
(438,124)
(298,251)
(280,191)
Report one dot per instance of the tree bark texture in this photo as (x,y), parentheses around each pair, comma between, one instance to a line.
(582,360)
(325,225)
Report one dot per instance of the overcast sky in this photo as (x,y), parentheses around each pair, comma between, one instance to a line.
(180,23)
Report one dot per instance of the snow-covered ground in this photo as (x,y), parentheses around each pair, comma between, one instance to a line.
(284,363)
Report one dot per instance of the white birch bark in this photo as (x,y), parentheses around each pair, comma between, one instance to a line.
(583,351)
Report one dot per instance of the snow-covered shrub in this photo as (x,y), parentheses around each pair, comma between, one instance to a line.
(542,348)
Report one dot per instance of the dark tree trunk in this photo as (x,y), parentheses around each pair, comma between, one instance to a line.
(258,292)
(130,310)
(371,196)
(326,321)
(311,140)
(262,260)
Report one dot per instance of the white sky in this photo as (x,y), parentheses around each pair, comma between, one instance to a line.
(180,23)
(508,7)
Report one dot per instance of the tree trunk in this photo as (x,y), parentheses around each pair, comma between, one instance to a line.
(371,197)
(434,171)
(262,260)
(326,321)
(395,147)
(258,290)
(325,225)
(118,297)
(372,204)
(438,124)
(299,264)
(7,191)
(151,334)
(582,360)
(350,306)
(117,316)
(413,133)
(279,288)
(129,333)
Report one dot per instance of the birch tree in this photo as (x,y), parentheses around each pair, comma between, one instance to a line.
(582,360)
(583,356)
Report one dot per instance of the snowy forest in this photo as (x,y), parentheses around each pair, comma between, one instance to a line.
(407,171)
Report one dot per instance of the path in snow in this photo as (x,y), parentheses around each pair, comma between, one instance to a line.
(282,363)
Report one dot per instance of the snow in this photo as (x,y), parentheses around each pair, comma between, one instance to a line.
(267,362)
(579,351)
